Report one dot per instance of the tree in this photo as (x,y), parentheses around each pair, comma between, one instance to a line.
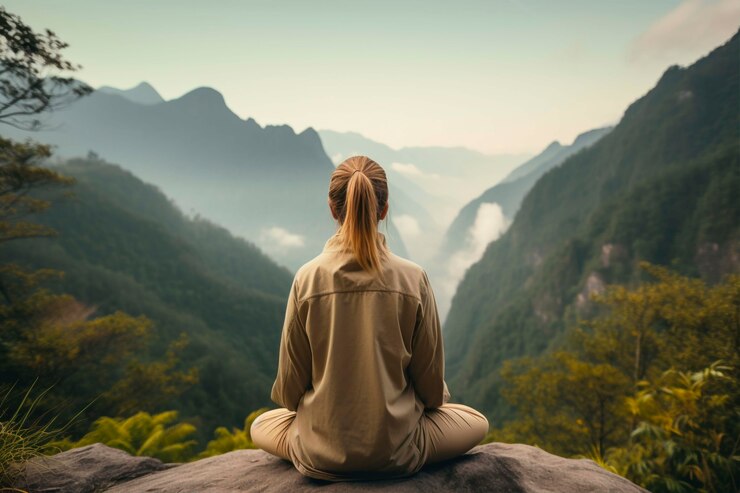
(30,86)
(687,433)
(31,65)
(565,405)
(672,321)
(641,388)
(152,384)
(21,174)
(55,338)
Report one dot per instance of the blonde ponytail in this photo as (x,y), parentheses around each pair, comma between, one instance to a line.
(358,191)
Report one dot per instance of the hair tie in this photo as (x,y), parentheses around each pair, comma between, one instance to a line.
(354,171)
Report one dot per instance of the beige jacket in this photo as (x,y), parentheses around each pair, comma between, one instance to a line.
(360,359)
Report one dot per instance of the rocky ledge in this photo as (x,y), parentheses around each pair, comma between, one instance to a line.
(495,467)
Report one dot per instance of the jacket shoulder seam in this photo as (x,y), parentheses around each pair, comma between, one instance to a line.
(341,291)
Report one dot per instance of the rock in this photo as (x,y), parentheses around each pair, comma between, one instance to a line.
(494,467)
(91,468)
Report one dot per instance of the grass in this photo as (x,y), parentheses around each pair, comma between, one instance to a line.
(23,438)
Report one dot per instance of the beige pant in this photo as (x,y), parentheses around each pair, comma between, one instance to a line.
(448,431)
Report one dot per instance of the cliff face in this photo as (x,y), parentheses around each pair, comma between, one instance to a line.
(491,467)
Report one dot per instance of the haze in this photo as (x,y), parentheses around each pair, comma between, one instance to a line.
(495,76)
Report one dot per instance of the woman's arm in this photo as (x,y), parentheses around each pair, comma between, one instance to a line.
(294,361)
(427,366)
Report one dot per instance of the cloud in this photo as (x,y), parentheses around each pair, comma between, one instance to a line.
(337,158)
(490,223)
(688,31)
(412,170)
(406,169)
(407,225)
(281,238)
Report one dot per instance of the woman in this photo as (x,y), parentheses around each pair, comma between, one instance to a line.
(361,364)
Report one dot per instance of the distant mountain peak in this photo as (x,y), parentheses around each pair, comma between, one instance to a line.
(142,93)
(553,145)
(282,129)
(590,136)
(204,95)
(144,86)
(310,132)
(252,123)
(312,137)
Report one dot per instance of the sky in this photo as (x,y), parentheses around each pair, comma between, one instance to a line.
(498,76)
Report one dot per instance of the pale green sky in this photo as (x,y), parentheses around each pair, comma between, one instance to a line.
(497,76)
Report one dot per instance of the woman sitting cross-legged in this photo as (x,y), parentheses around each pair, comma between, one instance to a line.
(361,364)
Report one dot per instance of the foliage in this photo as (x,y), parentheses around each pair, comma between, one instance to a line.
(568,403)
(153,384)
(53,338)
(674,321)
(21,437)
(20,173)
(30,64)
(686,438)
(160,436)
(226,440)
(142,434)
(640,388)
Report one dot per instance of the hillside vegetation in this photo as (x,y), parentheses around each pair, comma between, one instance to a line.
(122,245)
(661,187)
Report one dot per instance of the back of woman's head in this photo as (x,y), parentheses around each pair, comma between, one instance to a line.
(358,193)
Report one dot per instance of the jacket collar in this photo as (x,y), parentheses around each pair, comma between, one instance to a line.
(334,244)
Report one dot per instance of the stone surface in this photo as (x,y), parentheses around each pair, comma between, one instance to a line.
(91,468)
(494,467)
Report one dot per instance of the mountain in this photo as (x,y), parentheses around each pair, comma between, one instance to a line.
(449,161)
(555,154)
(123,245)
(266,184)
(661,187)
(486,217)
(440,178)
(143,93)
(510,192)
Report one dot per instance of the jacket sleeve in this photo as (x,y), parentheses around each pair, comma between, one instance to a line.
(427,365)
(294,360)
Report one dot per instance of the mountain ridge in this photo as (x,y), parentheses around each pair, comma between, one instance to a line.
(511,190)
(267,184)
(142,93)
(518,298)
